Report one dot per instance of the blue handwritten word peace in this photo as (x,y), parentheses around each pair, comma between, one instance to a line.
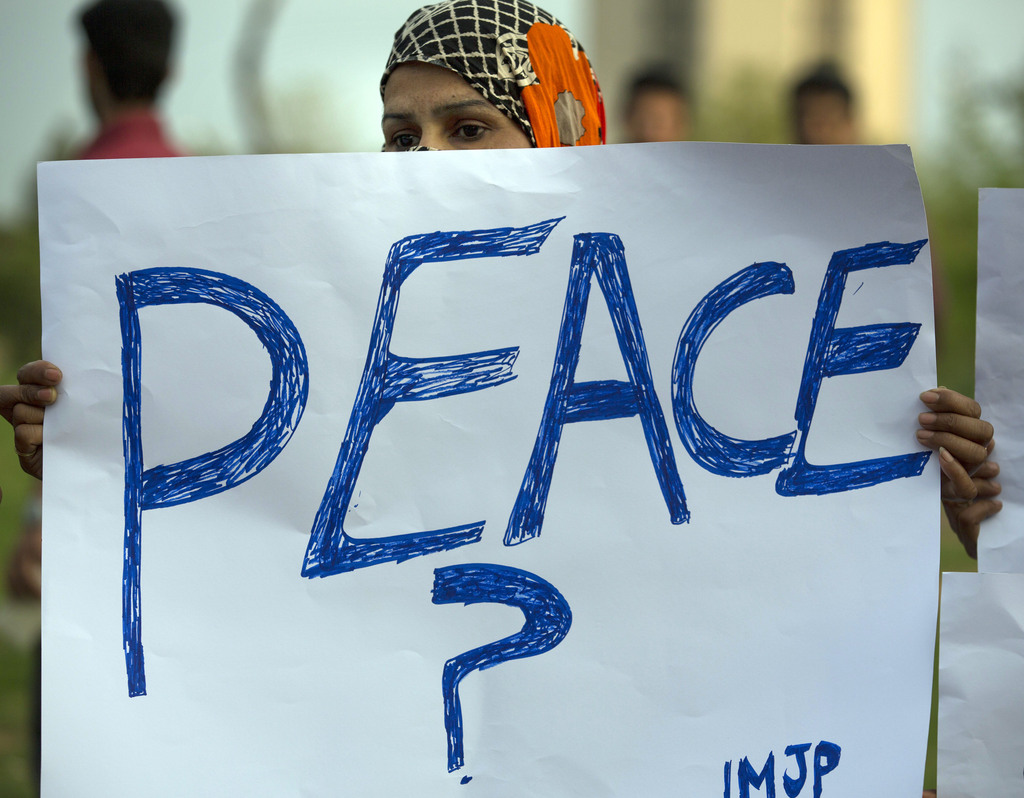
(389,378)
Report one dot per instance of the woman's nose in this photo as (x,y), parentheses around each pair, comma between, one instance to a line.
(432,139)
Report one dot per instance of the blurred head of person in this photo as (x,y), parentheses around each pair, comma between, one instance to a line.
(488,74)
(657,108)
(822,107)
(128,52)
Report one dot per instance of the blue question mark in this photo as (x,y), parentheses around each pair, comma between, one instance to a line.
(548,619)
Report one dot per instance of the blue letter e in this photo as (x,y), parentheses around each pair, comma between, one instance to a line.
(389,378)
(834,351)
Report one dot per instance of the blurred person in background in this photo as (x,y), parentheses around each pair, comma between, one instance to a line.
(657,108)
(126,63)
(822,108)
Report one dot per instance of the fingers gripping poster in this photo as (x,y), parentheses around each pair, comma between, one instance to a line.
(587,472)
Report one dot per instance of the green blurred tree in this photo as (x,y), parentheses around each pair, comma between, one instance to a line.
(19,295)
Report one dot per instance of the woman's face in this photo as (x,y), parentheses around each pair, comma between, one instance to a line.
(428,106)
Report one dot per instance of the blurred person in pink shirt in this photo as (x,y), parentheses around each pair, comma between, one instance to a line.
(126,63)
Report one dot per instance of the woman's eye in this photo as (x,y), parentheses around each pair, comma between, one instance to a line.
(404,141)
(470,131)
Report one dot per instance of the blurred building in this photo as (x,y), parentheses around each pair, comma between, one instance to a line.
(712,42)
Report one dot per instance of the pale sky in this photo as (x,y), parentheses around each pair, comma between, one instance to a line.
(324,61)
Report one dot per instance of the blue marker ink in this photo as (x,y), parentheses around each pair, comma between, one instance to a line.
(714,450)
(568,401)
(388,378)
(791,785)
(213,472)
(826,759)
(746,777)
(851,350)
(548,618)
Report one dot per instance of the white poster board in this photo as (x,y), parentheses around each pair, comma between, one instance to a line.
(999,367)
(981,686)
(735,586)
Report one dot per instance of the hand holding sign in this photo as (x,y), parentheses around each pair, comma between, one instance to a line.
(22,406)
(964,441)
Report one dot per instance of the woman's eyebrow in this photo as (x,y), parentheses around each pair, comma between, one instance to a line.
(462,105)
(441,110)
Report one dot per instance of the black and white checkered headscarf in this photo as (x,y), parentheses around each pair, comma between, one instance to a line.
(484,41)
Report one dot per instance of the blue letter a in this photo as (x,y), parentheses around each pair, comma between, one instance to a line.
(569,401)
